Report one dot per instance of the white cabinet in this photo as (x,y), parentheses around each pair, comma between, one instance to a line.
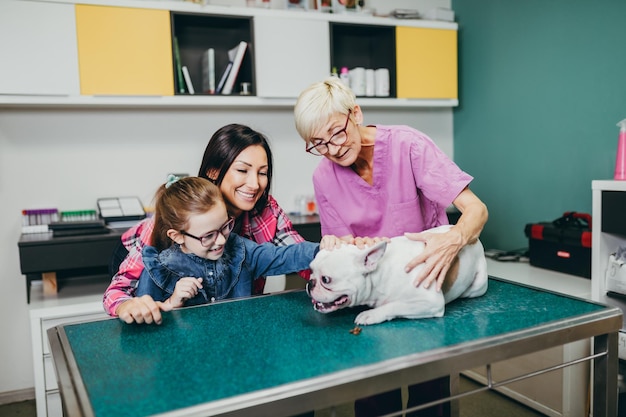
(38,44)
(290,53)
(607,234)
(51,58)
(47,392)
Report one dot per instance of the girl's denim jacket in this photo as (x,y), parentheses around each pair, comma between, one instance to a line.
(231,276)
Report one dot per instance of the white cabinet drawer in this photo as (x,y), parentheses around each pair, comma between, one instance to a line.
(49,374)
(41,319)
(49,323)
(54,407)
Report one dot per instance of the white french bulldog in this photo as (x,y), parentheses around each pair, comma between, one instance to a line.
(349,276)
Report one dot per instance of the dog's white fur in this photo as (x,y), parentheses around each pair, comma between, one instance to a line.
(349,276)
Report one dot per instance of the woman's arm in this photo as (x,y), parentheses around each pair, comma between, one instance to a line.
(120,300)
(124,282)
(474,215)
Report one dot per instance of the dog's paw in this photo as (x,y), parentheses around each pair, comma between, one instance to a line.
(369,317)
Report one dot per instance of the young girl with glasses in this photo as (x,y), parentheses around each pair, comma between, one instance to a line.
(195,259)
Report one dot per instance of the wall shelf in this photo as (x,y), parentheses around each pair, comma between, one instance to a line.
(190,102)
(288,50)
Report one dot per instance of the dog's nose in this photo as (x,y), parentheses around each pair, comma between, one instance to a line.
(310,285)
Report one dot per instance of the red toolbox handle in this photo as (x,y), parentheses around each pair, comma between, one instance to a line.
(583,216)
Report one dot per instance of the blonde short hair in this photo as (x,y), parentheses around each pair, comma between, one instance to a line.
(319,102)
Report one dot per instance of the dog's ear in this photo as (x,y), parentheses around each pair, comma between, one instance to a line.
(373,256)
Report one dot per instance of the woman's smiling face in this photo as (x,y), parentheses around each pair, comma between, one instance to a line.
(246,180)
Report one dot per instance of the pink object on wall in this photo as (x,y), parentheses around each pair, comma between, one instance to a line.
(620,160)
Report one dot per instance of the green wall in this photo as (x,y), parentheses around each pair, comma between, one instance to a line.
(542,84)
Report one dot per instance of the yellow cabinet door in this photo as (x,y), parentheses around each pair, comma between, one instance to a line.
(426,63)
(124,51)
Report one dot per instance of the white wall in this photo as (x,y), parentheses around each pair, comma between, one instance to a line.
(69,158)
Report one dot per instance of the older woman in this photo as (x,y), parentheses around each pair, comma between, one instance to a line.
(386,181)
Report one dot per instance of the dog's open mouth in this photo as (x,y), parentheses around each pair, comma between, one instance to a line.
(332,306)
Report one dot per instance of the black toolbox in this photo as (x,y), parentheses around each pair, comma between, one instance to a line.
(563,245)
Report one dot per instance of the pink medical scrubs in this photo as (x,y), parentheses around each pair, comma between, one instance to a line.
(413,184)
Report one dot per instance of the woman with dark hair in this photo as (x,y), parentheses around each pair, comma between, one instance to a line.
(239,161)
(224,148)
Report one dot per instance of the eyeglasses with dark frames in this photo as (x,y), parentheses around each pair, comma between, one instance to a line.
(319,147)
(210,238)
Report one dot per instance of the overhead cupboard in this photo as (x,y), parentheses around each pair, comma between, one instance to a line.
(130,52)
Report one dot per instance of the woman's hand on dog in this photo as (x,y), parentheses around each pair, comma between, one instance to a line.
(438,255)
(330,242)
(362,242)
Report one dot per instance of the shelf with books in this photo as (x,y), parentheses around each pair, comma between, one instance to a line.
(230,38)
(286,51)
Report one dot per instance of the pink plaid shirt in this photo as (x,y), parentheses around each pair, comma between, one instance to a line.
(270,225)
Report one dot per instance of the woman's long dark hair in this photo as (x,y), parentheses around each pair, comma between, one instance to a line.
(225,145)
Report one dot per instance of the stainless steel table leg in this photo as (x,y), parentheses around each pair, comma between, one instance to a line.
(455,386)
(605,369)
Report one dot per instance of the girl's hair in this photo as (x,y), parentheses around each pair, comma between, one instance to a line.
(319,102)
(224,147)
(177,201)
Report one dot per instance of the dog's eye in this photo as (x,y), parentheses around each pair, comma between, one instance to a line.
(325,279)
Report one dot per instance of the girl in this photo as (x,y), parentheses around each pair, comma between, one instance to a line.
(195,259)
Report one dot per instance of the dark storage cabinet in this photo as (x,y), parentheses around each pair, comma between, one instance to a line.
(614,212)
(366,46)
